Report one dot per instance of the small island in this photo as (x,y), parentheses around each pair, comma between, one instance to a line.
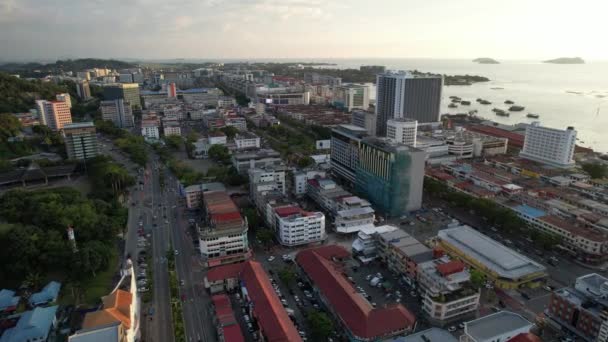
(485,60)
(566,60)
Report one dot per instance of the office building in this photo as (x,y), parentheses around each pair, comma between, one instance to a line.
(129,92)
(84,75)
(65,97)
(171,90)
(300,179)
(316,78)
(194,193)
(54,114)
(223,233)
(287,97)
(345,143)
(260,158)
(118,112)
(501,326)
(402,130)
(358,318)
(246,140)
(365,120)
(265,180)
(582,309)
(549,145)
(171,127)
(404,95)
(446,290)
(352,96)
(80,140)
(402,253)
(502,266)
(149,127)
(295,226)
(390,175)
(83,90)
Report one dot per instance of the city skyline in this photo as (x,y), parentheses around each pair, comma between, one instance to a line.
(249,29)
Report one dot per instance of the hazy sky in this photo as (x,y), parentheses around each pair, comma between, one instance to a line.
(503,29)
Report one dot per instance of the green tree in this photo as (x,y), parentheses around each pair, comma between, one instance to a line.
(321,325)
(219,153)
(305,162)
(266,236)
(477,278)
(596,170)
(230,131)
(174,141)
(287,275)
(253,218)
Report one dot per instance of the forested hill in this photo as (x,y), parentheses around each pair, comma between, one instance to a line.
(18,95)
(41,70)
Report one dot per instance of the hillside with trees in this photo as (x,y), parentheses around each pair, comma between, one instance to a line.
(61,66)
(19,95)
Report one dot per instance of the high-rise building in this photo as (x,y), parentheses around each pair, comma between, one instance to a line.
(54,114)
(83,90)
(404,95)
(390,175)
(549,145)
(65,97)
(80,140)
(402,130)
(126,91)
(345,141)
(117,111)
(352,96)
(365,119)
(171,90)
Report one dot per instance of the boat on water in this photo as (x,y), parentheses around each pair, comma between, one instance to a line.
(509,102)
(465,103)
(455,100)
(452,105)
(503,113)
(516,108)
(485,102)
(533,116)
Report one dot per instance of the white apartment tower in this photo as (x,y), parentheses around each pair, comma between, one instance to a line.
(402,130)
(549,145)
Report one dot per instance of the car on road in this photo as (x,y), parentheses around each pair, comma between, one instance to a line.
(452,328)
(270,258)
(548,288)
(181,282)
(142,289)
(176,252)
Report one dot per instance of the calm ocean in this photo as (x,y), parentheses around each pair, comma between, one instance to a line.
(563,95)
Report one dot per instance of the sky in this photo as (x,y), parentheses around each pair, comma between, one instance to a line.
(223,29)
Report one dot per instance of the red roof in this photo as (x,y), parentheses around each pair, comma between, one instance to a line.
(451,267)
(288,210)
(226,217)
(228,323)
(363,321)
(267,308)
(525,337)
(232,333)
(225,272)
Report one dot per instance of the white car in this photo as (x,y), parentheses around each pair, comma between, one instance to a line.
(452,329)
(270,258)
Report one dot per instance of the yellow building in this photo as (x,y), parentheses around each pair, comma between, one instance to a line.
(504,267)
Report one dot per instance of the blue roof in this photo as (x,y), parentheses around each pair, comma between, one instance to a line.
(105,333)
(529,211)
(33,325)
(48,294)
(8,299)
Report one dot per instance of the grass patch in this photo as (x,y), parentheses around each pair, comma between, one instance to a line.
(93,289)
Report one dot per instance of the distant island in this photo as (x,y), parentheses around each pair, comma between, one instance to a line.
(485,60)
(566,60)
